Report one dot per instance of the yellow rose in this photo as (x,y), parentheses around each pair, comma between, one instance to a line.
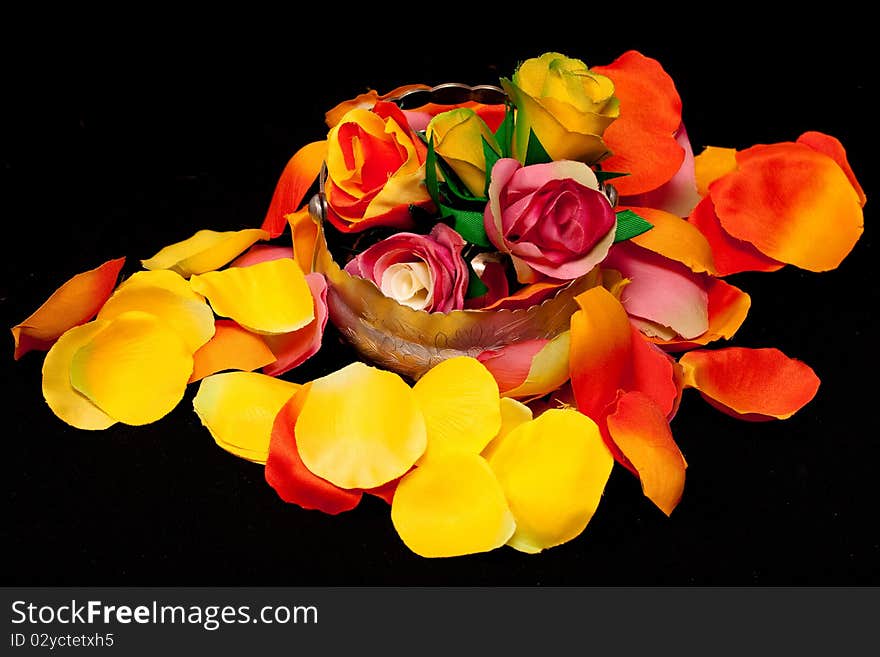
(458,138)
(564,104)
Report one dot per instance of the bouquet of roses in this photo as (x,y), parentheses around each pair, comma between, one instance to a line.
(532,274)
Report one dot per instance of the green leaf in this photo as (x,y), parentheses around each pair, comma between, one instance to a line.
(504,133)
(629,225)
(476,287)
(431,173)
(468,224)
(602,176)
(491,158)
(535,153)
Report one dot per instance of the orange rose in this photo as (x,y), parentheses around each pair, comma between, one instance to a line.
(375,170)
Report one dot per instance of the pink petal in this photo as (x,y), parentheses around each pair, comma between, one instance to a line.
(262,253)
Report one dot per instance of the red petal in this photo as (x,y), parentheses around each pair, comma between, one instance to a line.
(651,374)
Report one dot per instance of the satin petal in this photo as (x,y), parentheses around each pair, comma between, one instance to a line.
(72,304)
(751,384)
(269,298)
(360,427)
(231,348)
(135,370)
(641,431)
(69,405)
(553,471)
(453,505)
(239,409)
(298,175)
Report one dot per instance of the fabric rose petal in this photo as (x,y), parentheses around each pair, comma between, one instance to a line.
(459,135)
(269,298)
(566,105)
(640,430)
(375,170)
(453,505)
(207,250)
(424,272)
(551,218)
(231,348)
(169,297)
(135,369)
(67,403)
(360,427)
(460,402)
(287,474)
(298,175)
(643,138)
(294,348)
(239,409)
(750,384)
(72,304)
(529,368)
(553,470)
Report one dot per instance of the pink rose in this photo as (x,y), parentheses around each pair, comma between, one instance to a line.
(551,218)
(424,272)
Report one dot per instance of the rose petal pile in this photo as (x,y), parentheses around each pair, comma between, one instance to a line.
(493,209)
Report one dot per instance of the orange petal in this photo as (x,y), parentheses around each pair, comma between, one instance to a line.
(304,232)
(135,370)
(72,304)
(287,474)
(169,297)
(731,256)
(831,146)
(793,204)
(293,349)
(239,409)
(601,349)
(268,298)
(642,139)
(712,164)
(676,239)
(299,174)
(527,296)
(640,430)
(231,348)
(366,101)
(651,373)
(728,308)
(750,384)
(207,250)
(68,404)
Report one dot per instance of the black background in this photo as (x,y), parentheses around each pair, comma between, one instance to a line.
(118,140)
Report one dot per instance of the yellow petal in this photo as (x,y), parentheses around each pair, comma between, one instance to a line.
(65,402)
(135,370)
(169,297)
(451,506)
(239,408)
(269,297)
(459,398)
(553,471)
(360,427)
(712,164)
(207,250)
(513,414)
(549,369)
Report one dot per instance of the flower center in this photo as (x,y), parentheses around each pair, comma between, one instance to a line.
(408,283)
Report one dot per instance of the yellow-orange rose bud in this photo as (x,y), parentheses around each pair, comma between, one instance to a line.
(458,138)
(566,105)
